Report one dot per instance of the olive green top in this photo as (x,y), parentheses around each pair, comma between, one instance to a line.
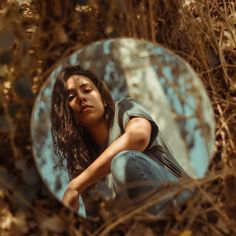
(157,149)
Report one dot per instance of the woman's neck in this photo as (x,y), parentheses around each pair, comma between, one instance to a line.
(99,133)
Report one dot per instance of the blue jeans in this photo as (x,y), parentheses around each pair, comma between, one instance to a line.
(130,167)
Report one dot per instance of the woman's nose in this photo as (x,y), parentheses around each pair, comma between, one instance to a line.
(80,98)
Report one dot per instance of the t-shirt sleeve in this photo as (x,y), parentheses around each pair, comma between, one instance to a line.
(130,108)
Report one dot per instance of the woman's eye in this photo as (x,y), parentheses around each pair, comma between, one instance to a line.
(87,90)
(71,97)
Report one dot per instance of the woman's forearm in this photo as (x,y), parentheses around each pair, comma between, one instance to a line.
(101,166)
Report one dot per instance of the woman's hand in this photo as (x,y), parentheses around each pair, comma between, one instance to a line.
(71,198)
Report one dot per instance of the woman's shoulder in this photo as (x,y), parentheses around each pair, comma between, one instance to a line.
(131,107)
(126,101)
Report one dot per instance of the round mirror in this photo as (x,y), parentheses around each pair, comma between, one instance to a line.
(161,82)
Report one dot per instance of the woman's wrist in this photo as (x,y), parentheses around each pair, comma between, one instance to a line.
(75,185)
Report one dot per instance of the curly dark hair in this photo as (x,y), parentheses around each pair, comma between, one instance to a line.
(71,143)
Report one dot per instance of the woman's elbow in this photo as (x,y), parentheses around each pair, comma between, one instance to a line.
(139,139)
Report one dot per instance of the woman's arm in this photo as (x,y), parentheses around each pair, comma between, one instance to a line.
(136,137)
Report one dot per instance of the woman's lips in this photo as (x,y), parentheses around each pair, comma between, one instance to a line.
(85,108)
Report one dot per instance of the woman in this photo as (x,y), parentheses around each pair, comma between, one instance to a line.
(98,137)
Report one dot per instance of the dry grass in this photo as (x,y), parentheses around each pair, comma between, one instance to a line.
(39,34)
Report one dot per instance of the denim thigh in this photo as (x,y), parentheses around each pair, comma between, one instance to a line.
(132,167)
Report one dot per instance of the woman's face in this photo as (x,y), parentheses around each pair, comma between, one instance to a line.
(85,100)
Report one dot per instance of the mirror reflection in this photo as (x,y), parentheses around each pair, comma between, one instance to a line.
(124,124)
